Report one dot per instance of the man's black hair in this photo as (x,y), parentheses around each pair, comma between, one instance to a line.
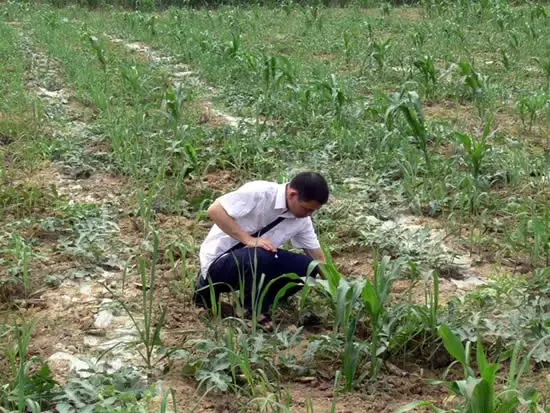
(311,186)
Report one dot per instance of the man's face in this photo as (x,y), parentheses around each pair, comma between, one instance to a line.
(300,209)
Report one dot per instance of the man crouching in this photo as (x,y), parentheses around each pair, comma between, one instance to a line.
(251,224)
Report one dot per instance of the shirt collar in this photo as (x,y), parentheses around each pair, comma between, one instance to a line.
(280,199)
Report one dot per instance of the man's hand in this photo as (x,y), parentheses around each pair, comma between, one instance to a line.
(264,243)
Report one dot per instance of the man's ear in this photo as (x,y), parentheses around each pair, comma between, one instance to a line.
(292,193)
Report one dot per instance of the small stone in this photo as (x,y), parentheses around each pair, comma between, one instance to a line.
(305,379)
(96,332)
(103,319)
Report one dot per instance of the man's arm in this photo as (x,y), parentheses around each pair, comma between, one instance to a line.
(317,254)
(227,224)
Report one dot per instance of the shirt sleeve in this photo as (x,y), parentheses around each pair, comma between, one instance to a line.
(241,202)
(306,237)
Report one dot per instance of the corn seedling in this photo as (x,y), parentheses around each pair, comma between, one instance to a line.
(312,16)
(21,256)
(479,393)
(513,41)
(474,81)
(173,101)
(234,45)
(386,8)
(505,59)
(232,360)
(419,38)
(347,45)
(426,67)
(150,328)
(343,295)
(151,25)
(409,104)
(533,234)
(133,78)
(544,65)
(32,384)
(375,297)
(380,52)
(530,107)
(276,72)
(177,253)
(333,92)
(475,150)
(99,51)
(170,393)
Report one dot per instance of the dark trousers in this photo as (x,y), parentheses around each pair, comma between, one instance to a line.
(238,269)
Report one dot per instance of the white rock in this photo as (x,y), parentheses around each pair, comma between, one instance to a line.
(103,319)
(65,362)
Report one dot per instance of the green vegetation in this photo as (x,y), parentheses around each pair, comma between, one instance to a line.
(118,127)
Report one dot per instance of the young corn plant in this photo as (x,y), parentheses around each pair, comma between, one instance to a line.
(347,46)
(409,105)
(149,329)
(31,386)
(234,46)
(20,252)
(380,52)
(151,25)
(530,107)
(234,360)
(426,66)
(99,50)
(476,83)
(344,297)
(505,59)
(479,393)
(276,72)
(376,297)
(331,91)
(475,151)
(533,234)
(174,98)
(419,38)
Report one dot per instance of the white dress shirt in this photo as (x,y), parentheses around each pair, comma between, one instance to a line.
(255,205)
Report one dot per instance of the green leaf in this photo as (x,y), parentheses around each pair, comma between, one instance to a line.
(370,298)
(482,398)
(453,344)
(487,370)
